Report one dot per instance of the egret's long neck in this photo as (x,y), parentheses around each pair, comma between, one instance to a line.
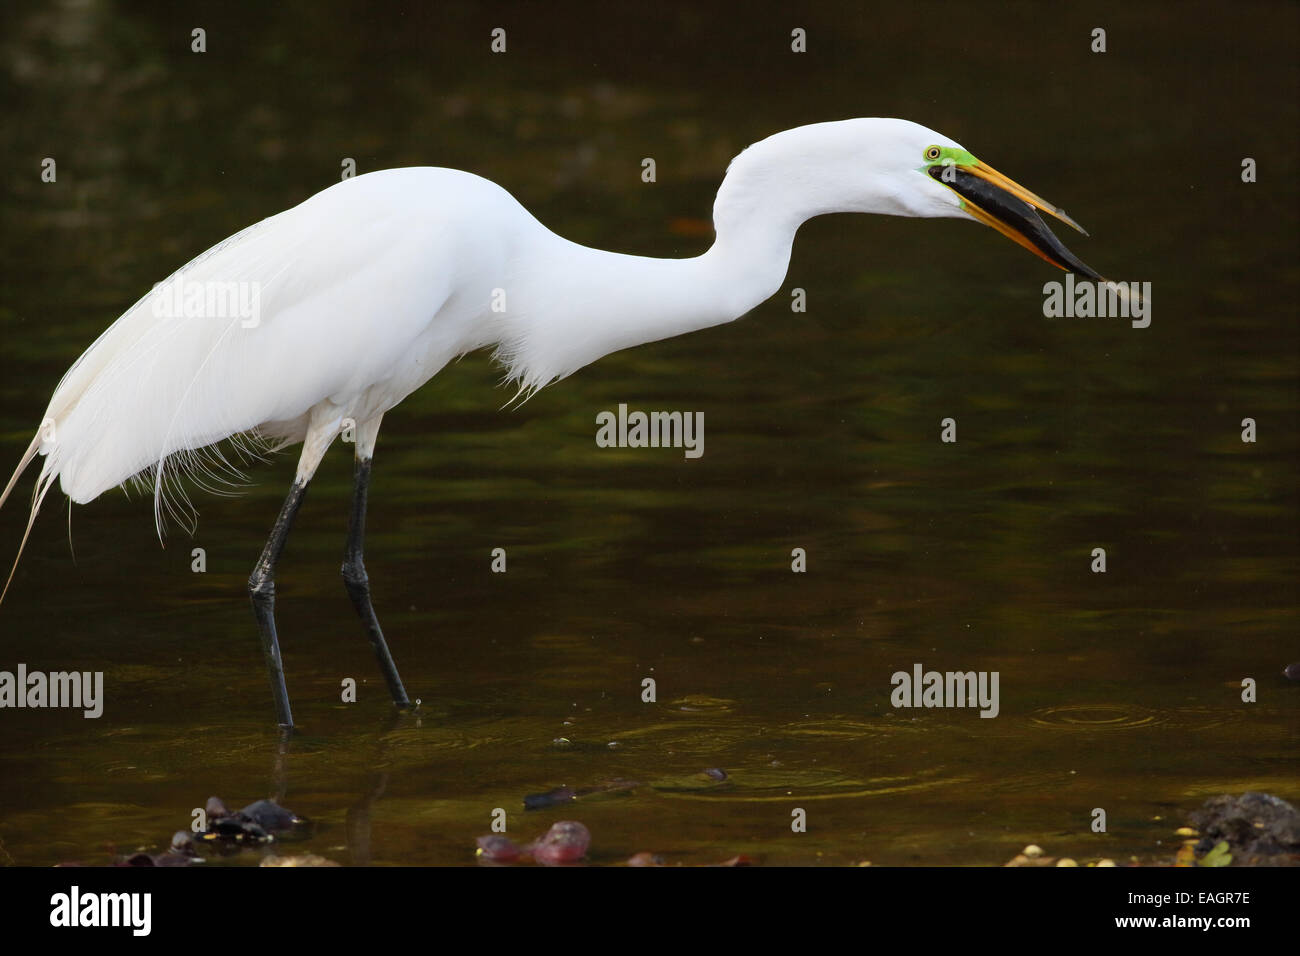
(748,261)
(594,302)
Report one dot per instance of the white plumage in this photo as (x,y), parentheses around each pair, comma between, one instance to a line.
(371,286)
(352,310)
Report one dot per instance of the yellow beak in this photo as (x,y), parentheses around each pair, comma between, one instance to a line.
(1003,204)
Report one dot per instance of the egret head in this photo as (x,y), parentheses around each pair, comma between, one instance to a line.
(887,166)
(987,196)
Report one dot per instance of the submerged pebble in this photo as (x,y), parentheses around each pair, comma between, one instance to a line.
(256,823)
(270,816)
(551,798)
(496,849)
(565,842)
(305,859)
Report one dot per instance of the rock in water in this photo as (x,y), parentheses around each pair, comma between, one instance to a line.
(1256,825)
(565,842)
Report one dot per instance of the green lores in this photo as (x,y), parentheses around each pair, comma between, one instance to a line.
(946,155)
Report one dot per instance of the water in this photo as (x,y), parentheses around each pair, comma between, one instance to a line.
(1119,691)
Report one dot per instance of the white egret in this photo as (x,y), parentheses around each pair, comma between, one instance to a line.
(363,292)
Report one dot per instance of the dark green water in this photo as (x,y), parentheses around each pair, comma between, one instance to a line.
(1118,690)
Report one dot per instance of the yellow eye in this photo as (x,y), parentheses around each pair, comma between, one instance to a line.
(932,153)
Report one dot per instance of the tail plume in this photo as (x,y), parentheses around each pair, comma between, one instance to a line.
(43,485)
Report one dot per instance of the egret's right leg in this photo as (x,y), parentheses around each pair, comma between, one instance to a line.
(261,583)
(355,578)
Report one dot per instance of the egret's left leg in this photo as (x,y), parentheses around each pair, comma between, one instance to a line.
(355,578)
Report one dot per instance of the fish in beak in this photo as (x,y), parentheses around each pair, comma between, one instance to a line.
(1008,207)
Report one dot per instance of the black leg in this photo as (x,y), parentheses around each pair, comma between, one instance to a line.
(261,587)
(358,583)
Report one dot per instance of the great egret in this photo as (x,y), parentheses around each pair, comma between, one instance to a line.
(363,292)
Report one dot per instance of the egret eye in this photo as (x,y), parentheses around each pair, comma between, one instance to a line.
(932,153)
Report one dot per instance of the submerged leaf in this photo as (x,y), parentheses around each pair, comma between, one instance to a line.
(1219,856)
